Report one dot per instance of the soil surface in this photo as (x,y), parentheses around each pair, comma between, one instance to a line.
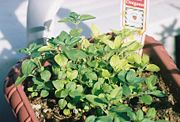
(47,110)
(168,108)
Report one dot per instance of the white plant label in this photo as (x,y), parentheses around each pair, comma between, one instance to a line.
(134,16)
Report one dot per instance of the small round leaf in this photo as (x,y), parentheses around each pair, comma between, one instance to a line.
(152,68)
(139,115)
(44,93)
(147,99)
(151,113)
(62,103)
(45,75)
(66,112)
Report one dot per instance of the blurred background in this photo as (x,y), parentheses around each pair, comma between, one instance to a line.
(164,25)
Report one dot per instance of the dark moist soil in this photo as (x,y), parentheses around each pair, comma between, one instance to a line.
(168,108)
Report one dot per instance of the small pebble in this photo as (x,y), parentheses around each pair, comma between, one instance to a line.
(46,110)
(36,107)
(144,108)
(75,111)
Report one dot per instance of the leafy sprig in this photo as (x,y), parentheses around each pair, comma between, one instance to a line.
(76,19)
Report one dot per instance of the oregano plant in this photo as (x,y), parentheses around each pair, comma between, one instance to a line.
(97,78)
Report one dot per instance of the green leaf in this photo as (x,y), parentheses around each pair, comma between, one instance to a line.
(20,79)
(152,68)
(106,88)
(72,18)
(104,119)
(30,89)
(91,118)
(58,93)
(131,74)
(61,60)
(56,69)
(95,31)
(66,112)
(132,79)
(139,115)
(71,106)
(58,84)
(61,93)
(131,115)
(117,64)
(93,64)
(91,75)
(75,94)
(45,48)
(86,108)
(97,87)
(76,19)
(62,75)
(67,19)
(151,113)
(44,93)
(147,99)
(71,86)
(85,43)
(76,32)
(72,74)
(134,46)
(74,15)
(137,80)
(121,65)
(120,111)
(105,73)
(122,76)
(40,84)
(117,92)
(92,50)
(62,103)
(106,39)
(151,82)
(45,75)
(120,118)
(145,60)
(118,42)
(32,48)
(27,67)
(85,17)
(109,43)
(74,54)
(48,86)
(74,41)
(158,93)
(79,88)
(120,108)
(64,37)
(126,90)
(134,58)
(95,100)
(34,94)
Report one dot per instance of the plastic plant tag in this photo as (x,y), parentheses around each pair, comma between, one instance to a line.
(135,16)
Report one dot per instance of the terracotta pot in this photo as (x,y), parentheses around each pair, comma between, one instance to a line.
(22,108)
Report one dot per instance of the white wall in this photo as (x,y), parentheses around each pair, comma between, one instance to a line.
(164,23)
